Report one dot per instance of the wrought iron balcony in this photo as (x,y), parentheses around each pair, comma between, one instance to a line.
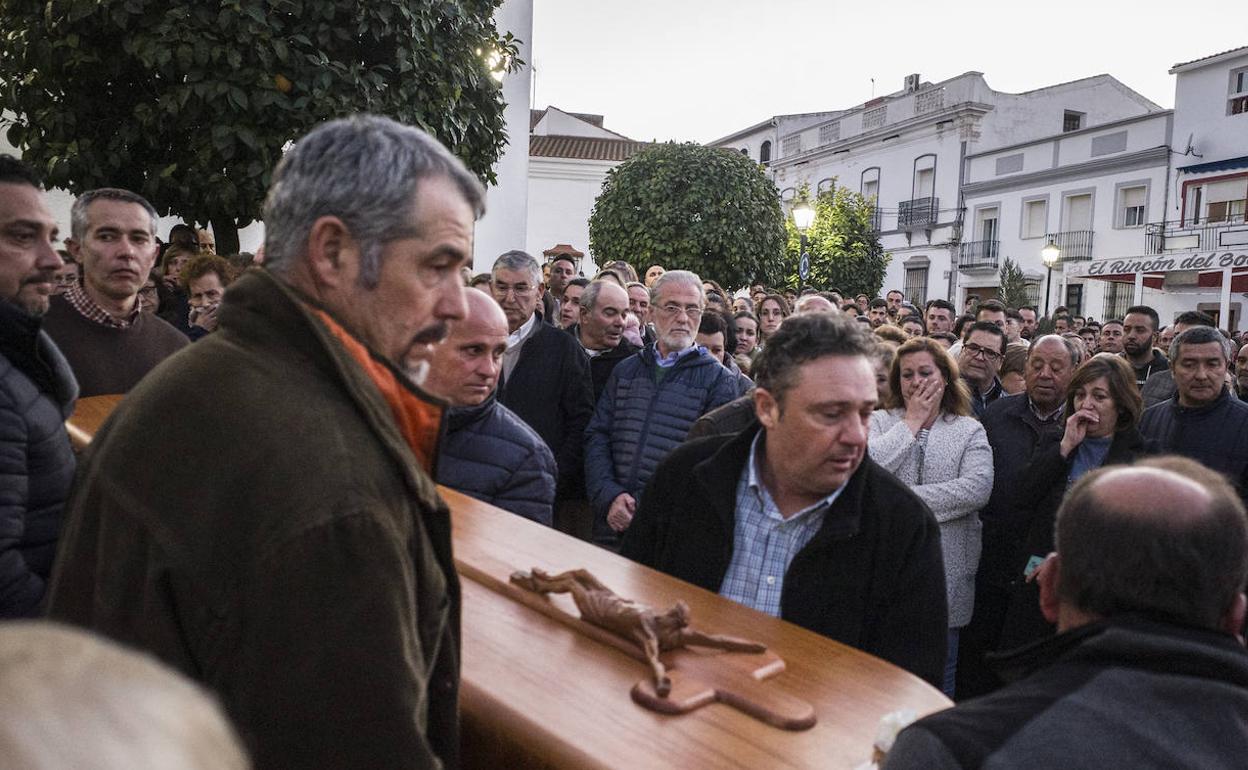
(1075,245)
(1189,235)
(876,218)
(978,255)
(919,212)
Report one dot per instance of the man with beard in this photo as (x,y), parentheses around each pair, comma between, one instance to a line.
(261,515)
(1029,320)
(489,453)
(649,404)
(37,393)
(1139,331)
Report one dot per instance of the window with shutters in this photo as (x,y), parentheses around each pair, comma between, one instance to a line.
(915,288)
(1131,206)
(1226,200)
(1035,218)
(830,133)
(792,145)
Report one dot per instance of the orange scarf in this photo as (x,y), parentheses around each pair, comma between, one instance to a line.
(418,420)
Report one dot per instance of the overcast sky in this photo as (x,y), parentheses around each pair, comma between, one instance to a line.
(701,69)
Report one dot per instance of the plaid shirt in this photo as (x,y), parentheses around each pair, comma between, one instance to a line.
(764,542)
(78,300)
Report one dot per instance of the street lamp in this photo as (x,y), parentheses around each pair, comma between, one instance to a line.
(803,216)
(1050,254)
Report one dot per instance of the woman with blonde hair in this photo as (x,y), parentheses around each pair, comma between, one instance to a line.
(927,439)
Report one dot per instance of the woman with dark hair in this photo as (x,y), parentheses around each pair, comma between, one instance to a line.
(771,311)
(1103,408)
(174,303)
(928,439)
(961,324)
(715,335)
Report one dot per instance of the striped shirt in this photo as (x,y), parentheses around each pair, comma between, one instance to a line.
(763,541)
(78,299)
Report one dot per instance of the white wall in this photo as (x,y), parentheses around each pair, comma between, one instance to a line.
(503,226)
(1200,107)
(561,196)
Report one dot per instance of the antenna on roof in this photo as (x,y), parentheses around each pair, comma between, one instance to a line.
(1190,150)
(872,88)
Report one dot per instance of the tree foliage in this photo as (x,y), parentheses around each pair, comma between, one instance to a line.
(689,207)
(845,251)
(1013,291)
(190,103)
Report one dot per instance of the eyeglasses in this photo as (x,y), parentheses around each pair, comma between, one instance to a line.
(690,311)
(502,289)
(982,352)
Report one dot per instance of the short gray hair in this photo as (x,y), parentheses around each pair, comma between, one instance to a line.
(79,221)
(589,297)
(687,277)
(1199,335)
(1076,355)
(365,170)
(519,261)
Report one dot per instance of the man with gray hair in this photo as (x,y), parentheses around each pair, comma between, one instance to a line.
(649,404)
(545,378)
(99,325)
(793,518)
(1204,420)
(1148,668)
(296,557)
(1016,425)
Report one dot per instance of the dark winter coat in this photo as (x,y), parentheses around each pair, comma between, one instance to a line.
(551,390)
(295,558)
(872,577)
(1039,494)
(727,420)
(37,394)
(1216,435)
(639,420)
(492,455)
(601,365)
(1125,692)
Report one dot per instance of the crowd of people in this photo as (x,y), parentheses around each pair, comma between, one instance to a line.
(936,488)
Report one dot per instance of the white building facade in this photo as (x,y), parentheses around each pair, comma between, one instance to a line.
(569,157)
(907,151)
(1090,192)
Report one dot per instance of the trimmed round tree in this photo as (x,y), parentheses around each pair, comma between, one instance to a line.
(190,103)
(689,207)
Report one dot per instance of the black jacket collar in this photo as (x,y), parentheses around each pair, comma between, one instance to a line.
(718,475)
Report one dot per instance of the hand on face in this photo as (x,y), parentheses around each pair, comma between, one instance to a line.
(1077,426)
(923,402)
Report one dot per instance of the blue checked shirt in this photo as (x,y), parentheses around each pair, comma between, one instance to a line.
(764,542)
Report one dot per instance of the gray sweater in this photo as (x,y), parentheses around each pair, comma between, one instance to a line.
(953,475)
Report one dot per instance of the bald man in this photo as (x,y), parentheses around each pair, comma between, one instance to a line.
(1147,670)
(489,452)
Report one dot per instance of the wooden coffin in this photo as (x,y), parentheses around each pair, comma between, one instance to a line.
(536,692)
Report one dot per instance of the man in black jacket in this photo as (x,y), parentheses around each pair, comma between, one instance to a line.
(1016,426)
(546,379)
(1147,591)
(794,519)
(600,330)
(37,393)
(1204,421)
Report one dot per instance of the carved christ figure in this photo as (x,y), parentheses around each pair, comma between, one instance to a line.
(638,623)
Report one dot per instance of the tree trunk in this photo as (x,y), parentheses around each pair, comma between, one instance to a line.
(225,231)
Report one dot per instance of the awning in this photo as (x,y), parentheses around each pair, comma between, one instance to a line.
(1216,165)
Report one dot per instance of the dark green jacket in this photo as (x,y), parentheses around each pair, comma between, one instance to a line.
(252,516)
